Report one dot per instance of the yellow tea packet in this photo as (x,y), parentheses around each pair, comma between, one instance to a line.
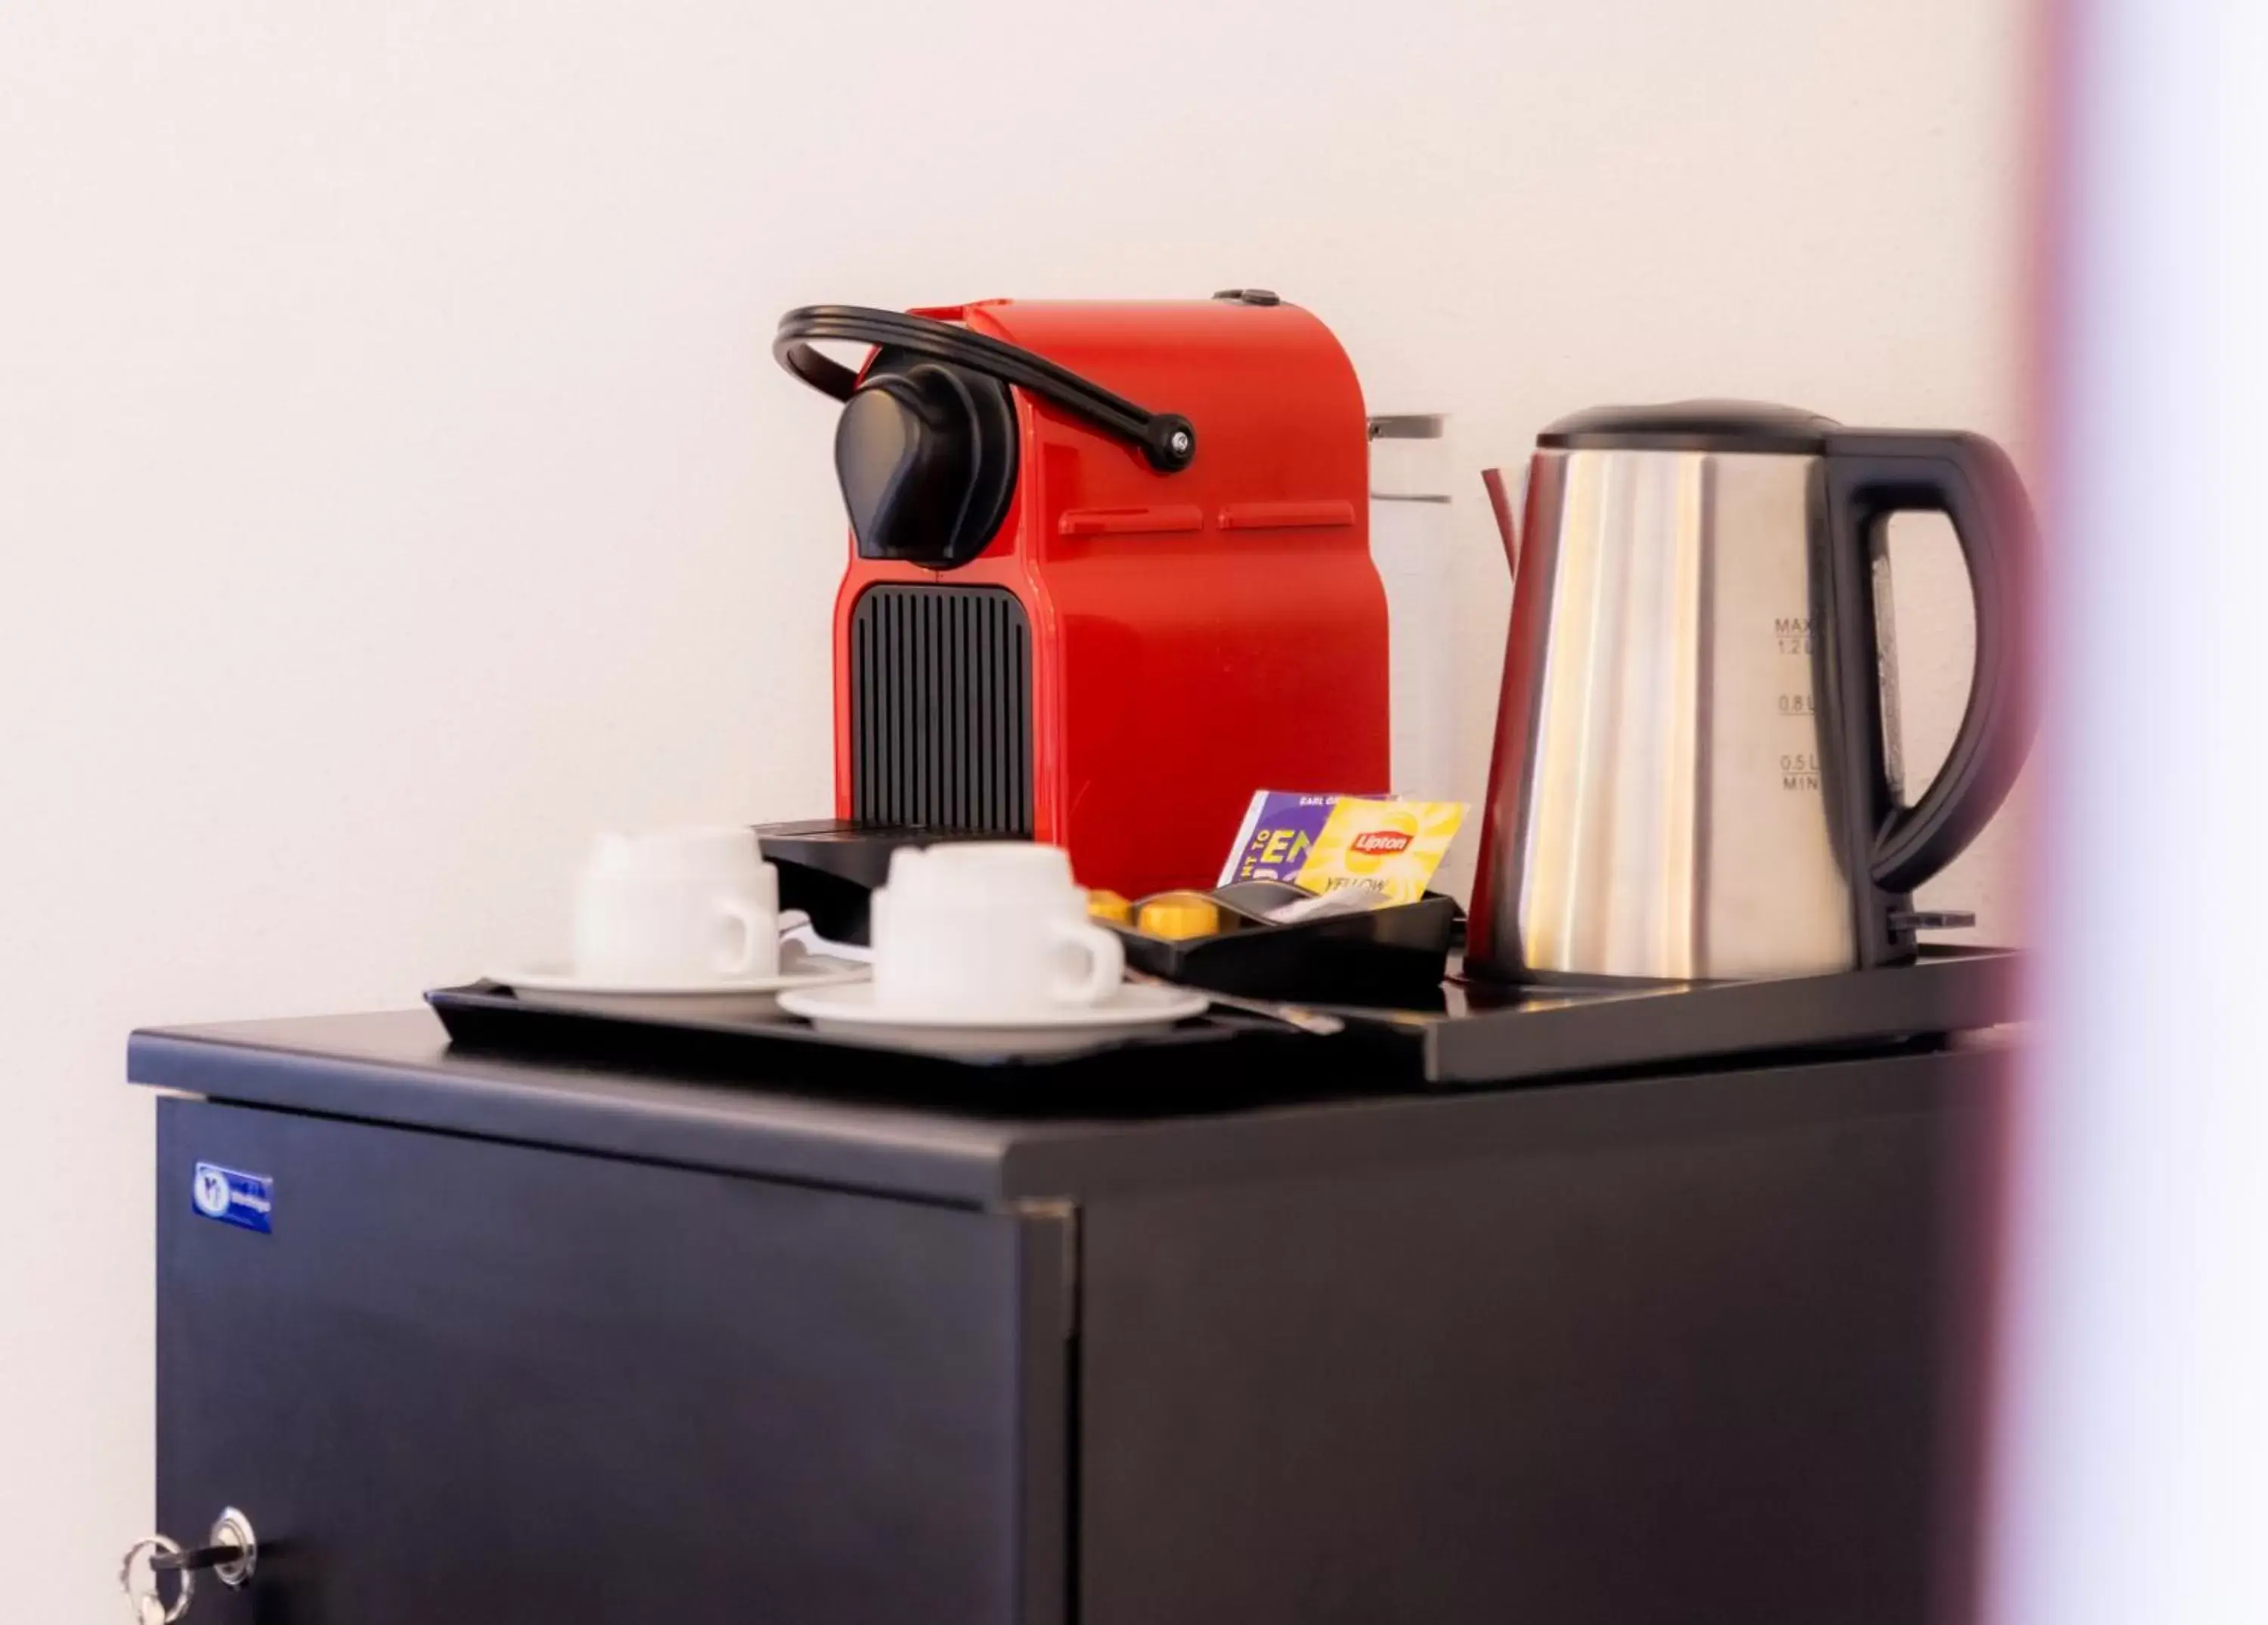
(1390,847)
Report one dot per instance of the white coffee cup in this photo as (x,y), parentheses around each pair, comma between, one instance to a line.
(988,930)
(677,908)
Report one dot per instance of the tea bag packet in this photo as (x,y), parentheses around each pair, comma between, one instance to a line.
(1278,832)
(1389,847)
(1385,848)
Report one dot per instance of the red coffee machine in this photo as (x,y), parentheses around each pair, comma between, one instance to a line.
(1109,573)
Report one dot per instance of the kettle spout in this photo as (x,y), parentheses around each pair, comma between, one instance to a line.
(1507,521)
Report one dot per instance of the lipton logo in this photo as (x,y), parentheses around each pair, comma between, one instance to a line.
(1381,843)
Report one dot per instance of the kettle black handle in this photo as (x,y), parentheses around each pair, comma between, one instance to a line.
(1166,438)
(1871,474)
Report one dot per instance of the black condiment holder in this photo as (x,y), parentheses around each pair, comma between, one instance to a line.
(1393,953)
(830,868)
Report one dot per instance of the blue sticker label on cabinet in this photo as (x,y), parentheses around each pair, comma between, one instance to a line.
(248,1199)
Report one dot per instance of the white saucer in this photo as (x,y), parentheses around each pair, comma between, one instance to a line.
(742,999)
(561,979)
(1135,1007)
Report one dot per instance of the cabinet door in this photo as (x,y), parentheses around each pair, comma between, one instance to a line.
(459,1381)
(1655,1353)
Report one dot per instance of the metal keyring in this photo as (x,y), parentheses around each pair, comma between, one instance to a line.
(147,1548)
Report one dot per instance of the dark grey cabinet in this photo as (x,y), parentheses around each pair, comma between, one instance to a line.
(535,1344)
(465,1381)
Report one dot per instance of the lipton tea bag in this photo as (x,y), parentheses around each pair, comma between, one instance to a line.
(1390,847)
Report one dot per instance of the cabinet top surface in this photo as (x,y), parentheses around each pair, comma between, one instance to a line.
(398,1068)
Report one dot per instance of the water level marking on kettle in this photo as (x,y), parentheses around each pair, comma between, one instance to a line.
(1798,771)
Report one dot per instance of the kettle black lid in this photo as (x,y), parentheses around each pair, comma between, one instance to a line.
(1691,426)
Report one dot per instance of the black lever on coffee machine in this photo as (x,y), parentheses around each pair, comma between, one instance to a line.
(927,449)
(1166,438)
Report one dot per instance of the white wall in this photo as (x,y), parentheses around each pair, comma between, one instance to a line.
(395,486)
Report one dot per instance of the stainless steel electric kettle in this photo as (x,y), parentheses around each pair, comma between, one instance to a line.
(1696,772)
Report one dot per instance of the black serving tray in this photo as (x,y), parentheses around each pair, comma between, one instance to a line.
(1222,1058)
(1496,1034)
(1462,1036)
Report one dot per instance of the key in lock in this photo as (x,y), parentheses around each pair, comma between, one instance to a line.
(231,1551)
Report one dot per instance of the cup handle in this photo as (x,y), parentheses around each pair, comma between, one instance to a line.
(1106,964)
(755,924)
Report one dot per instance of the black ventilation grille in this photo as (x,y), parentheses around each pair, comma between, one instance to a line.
(942,709)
